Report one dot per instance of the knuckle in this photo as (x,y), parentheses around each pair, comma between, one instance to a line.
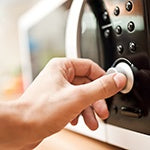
(54,60)
(89,60)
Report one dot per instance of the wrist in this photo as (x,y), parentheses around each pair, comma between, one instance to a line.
(14,128)
(31,119)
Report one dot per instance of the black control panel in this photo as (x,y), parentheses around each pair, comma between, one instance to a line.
(123,31)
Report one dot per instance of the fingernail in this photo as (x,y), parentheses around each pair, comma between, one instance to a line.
(120,80)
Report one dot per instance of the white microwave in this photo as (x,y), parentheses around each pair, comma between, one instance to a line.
(107,32)
(42,36)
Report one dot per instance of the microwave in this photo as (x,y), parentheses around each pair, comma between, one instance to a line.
(108,32)
(116,35)
(42,36)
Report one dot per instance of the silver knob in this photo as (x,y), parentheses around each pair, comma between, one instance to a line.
(124,68)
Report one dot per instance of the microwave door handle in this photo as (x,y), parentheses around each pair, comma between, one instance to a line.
(73,28)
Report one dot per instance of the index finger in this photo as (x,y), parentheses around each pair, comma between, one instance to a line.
(86,67)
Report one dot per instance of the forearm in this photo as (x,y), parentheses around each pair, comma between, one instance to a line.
(13,128)
(57,96)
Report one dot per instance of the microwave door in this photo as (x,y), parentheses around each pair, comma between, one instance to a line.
(76,40)
(82,27)
(93,33)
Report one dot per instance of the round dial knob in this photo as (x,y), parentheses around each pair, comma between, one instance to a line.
(123,67)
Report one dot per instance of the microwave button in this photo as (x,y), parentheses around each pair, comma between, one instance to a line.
(118,30)
(105,15)
(106,33)
(132,47)
(116,11)
(115,109)
(120,49)
(125,68)
(131,112)
(129,6)
(131,26)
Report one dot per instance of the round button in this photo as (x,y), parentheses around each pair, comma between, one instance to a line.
(129,6)
(131,26)
(105,16)
(118,29)
(116,11)
(106,33)
(132,47)
(120,49)
(124,68)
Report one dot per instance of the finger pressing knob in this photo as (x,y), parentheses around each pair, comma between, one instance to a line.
(124,68)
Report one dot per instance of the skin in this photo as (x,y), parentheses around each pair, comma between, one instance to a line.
(65,89)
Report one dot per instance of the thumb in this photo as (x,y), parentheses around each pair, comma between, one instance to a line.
(101,88)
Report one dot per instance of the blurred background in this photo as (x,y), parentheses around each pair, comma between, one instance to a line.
(31,33)
(10,70)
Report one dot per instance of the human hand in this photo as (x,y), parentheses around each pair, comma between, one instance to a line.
(63,90)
